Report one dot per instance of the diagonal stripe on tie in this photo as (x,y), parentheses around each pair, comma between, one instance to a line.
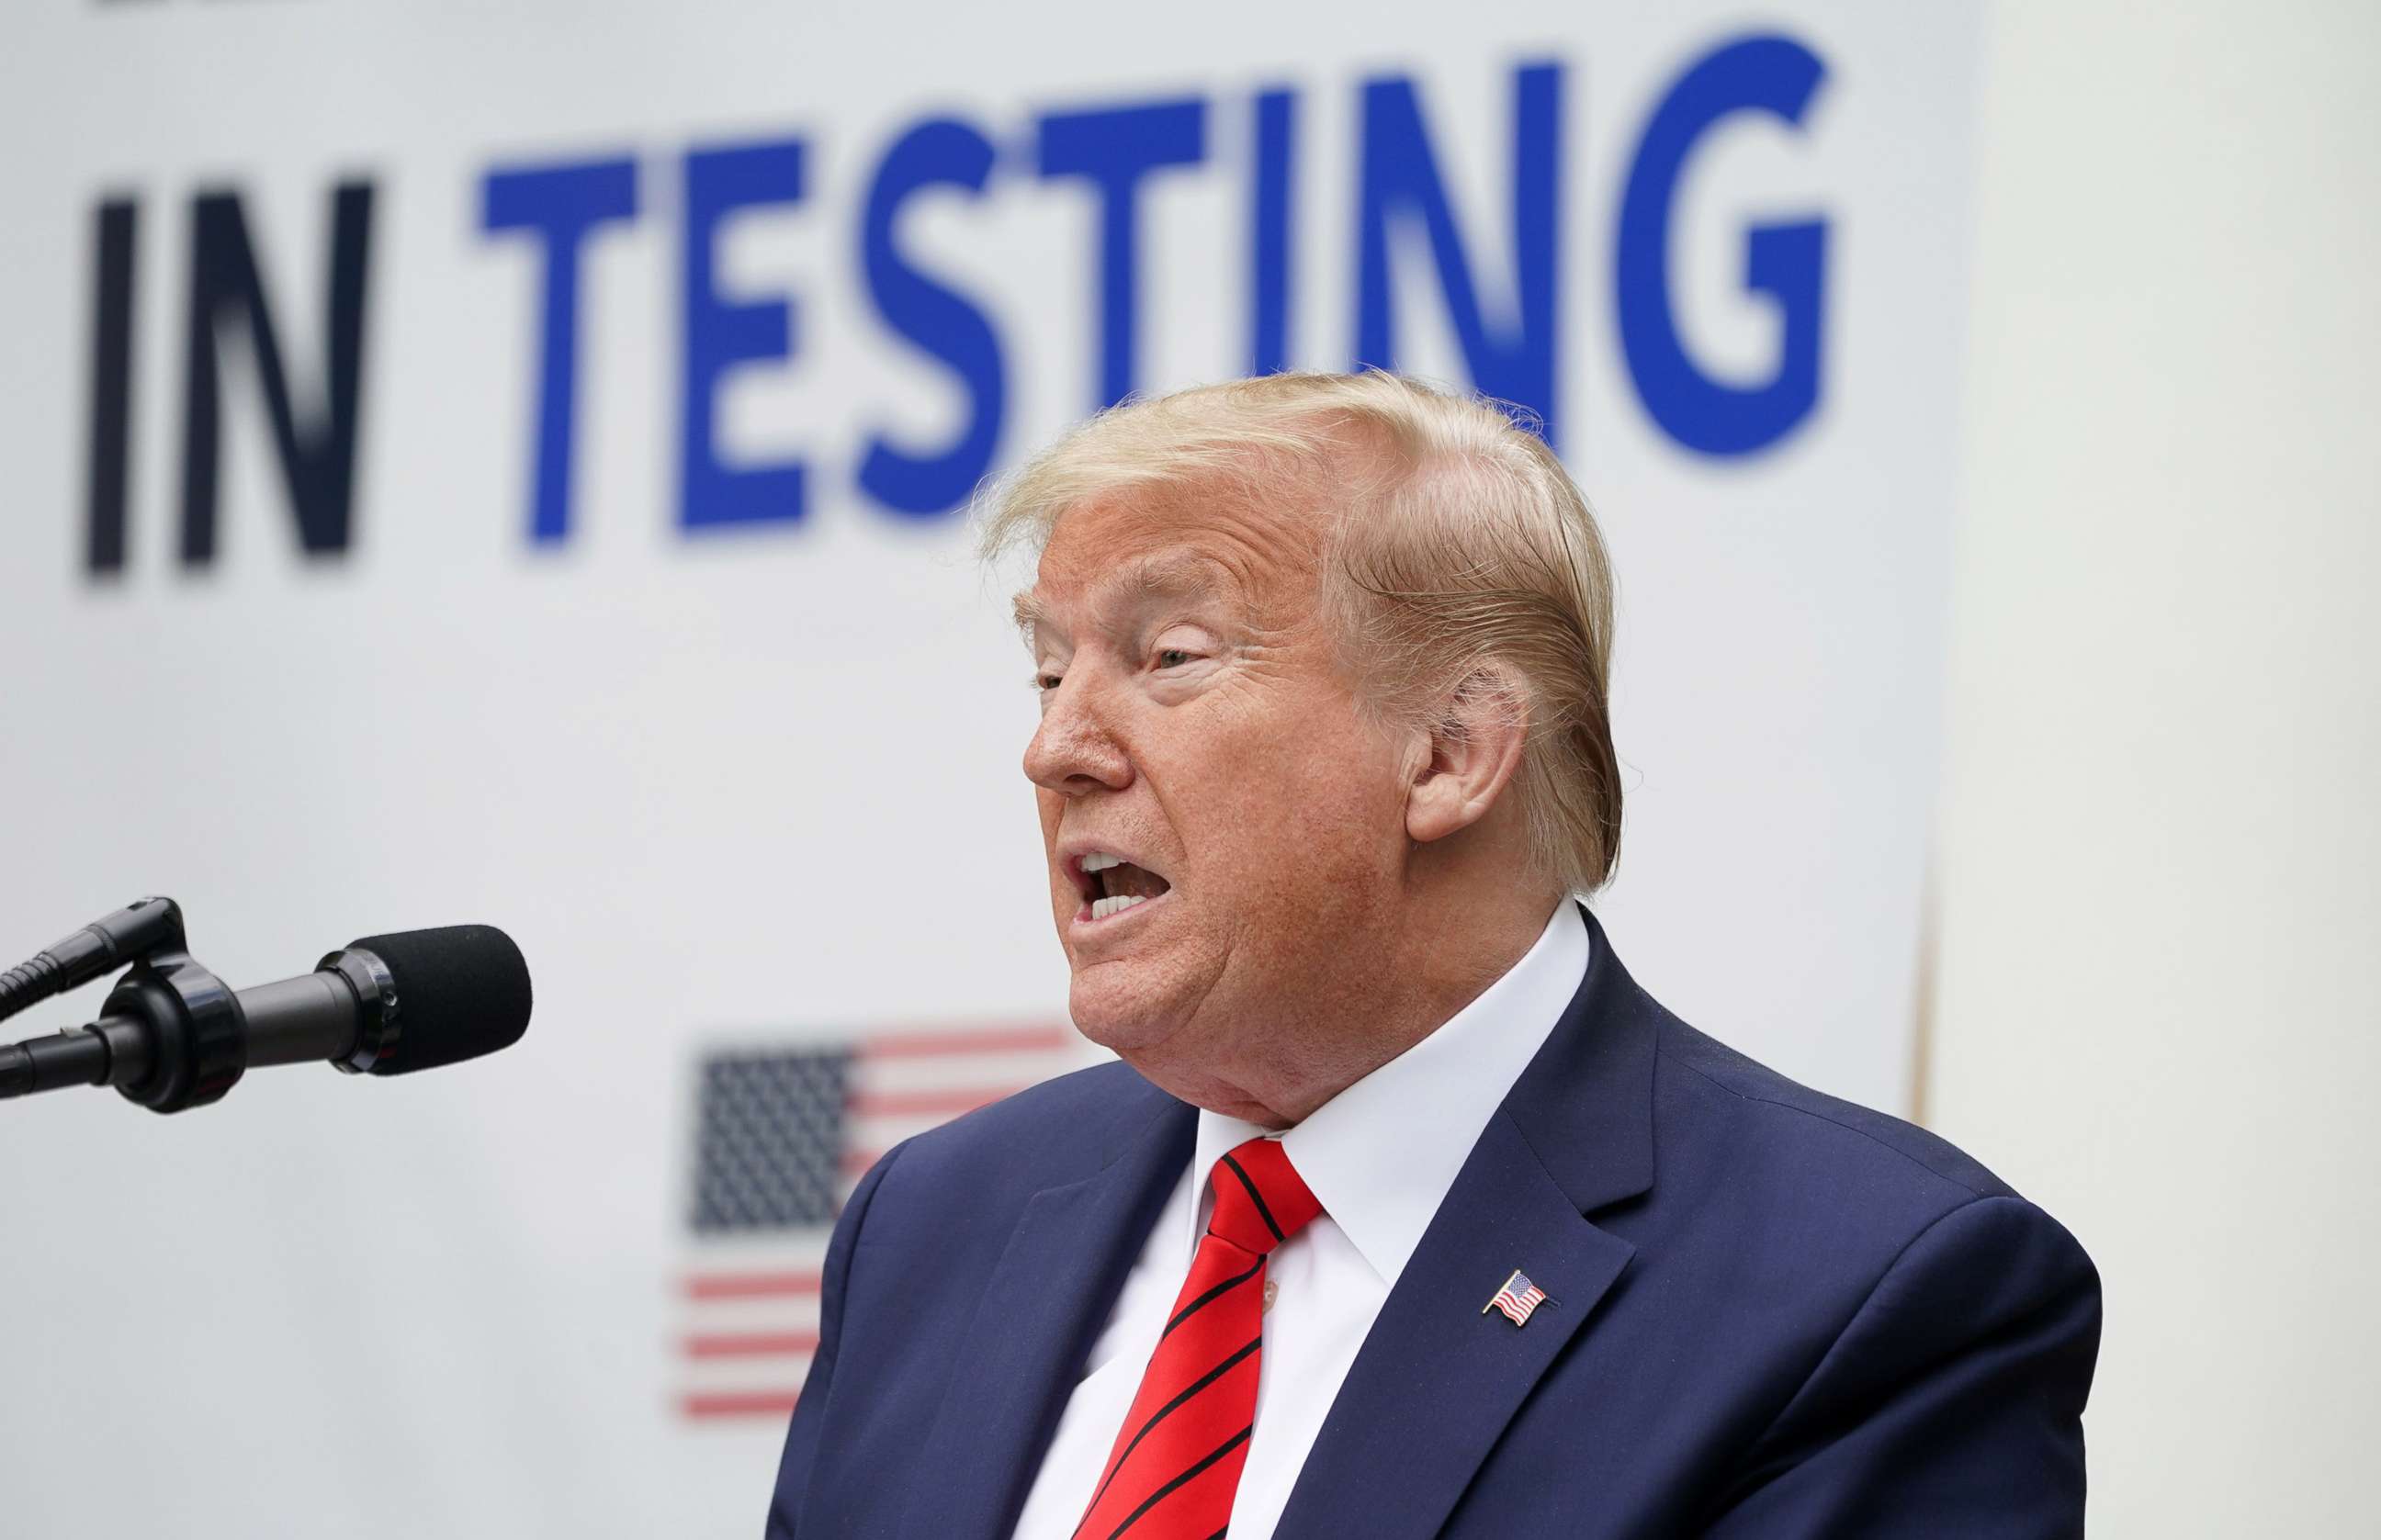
(1226,1447)
(1256,1197)
(1219,1372)
(1218,1291)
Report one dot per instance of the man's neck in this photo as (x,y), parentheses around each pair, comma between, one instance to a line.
(1439,961)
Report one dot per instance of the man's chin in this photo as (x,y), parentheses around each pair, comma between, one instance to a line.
(1128,1015)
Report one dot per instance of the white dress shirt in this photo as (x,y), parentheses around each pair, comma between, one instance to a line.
(1380,1157)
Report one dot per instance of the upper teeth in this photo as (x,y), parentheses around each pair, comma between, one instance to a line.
(1100,860)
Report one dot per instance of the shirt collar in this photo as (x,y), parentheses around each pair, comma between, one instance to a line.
(1381,1155)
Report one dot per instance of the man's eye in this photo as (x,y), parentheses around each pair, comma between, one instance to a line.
(1046,683)
(1172,657)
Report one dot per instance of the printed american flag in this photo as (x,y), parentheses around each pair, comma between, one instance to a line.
(782,1134)
(1517,1298)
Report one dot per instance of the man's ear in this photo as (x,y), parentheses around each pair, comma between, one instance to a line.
(1473,751)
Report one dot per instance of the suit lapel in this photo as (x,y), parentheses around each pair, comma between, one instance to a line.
(1047,1297)
(1436,1381)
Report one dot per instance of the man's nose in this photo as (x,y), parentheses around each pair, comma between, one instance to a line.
(1073,752)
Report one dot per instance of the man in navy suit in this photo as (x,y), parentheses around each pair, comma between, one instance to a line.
(1406,1213)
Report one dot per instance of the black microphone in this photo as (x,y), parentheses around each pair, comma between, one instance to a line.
(171,1036)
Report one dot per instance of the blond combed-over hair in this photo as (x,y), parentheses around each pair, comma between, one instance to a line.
(1456,556)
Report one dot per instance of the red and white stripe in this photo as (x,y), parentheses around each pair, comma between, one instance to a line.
(1518,1306)
(750,1307)
(907,1082)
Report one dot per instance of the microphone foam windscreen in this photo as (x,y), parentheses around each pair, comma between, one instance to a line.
(462,990)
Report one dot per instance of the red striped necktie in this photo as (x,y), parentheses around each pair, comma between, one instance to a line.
(1178,1457)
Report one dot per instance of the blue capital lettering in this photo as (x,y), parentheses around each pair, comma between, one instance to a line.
(1272,236)
(722,334)
(1516,362)
(1114,148)
(561,204)
(1772,75)
(940,321)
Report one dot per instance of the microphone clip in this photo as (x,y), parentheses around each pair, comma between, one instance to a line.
(174,1033)
(170,1035)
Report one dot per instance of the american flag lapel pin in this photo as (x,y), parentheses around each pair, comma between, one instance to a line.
(1517,1298)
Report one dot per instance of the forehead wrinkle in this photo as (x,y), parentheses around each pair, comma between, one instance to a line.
(1154,577)
(1193,541)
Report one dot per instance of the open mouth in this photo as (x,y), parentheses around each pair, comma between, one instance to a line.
(1110,884)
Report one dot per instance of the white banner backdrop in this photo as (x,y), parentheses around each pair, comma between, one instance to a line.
(599,578)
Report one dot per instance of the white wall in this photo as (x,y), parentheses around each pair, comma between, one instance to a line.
(2156,999)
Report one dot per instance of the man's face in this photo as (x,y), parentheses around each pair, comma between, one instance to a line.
(1197,728)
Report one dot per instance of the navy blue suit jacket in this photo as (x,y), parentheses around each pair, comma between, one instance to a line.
(1775,1315)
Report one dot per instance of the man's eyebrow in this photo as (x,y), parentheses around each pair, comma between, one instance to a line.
(1170,574)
